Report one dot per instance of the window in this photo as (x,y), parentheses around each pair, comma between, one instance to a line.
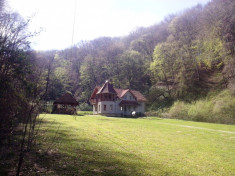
(110,97)
(105,97)
(104,107)
(95,107)
(111,107)
(99,107)
(130,97)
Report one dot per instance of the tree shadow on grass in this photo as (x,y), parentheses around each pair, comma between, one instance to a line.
(81,156)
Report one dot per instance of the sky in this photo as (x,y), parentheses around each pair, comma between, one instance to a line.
(64,23)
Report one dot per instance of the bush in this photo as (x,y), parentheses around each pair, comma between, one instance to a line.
(201,111)
(154,113)
(218,108)
(224,107)
(85,107)
(179,110)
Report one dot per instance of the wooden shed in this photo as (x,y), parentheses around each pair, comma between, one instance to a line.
(66,104)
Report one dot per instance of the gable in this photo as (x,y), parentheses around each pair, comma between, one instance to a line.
(139,96)
(128,95)
(132,95)
(122,92)
(107,88)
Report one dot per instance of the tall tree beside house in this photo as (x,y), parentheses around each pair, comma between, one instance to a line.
(22,88)
(15,66)
(131,69)
(88,78)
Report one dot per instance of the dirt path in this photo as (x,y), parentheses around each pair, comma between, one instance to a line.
(208,129)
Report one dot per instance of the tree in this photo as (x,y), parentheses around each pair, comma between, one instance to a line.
(14,66)
(185,30)
(131,68)
(164,67)
(19,96)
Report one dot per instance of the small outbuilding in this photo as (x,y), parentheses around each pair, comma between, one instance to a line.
(66,104)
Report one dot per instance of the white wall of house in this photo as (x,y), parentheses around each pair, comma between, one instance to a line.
(95,110)
(139,108)
(128,96)
(118,108)
(99,107)
(106,107)
(112,107)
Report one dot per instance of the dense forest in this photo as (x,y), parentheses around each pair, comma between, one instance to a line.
(185,57)
(184,65)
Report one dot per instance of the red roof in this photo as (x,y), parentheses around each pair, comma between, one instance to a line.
(108,88)
(95,92)
(139,96)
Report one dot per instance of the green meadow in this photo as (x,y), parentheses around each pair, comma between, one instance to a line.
(98,145)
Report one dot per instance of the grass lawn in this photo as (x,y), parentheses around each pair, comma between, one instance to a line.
(97,145)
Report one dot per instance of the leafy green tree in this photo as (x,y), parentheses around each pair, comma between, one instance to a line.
(164,67)
(131,67)
(89,78)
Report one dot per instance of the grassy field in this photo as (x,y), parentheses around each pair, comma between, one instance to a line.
(96,145)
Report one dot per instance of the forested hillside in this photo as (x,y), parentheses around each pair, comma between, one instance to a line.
(184,57)
(184,65)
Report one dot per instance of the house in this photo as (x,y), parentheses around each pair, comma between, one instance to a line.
(111,101)
(66,104)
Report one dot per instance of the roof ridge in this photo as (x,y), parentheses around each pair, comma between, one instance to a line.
(120,92)
(66,98)
(107,88)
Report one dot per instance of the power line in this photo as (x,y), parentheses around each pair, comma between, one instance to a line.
(74,17)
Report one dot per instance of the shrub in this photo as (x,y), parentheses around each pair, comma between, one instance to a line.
(85,107)
(200,111)
(179,110)
(157,113)
(224,107)
(217,108)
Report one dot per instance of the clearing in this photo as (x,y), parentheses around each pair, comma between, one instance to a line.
(97,145)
